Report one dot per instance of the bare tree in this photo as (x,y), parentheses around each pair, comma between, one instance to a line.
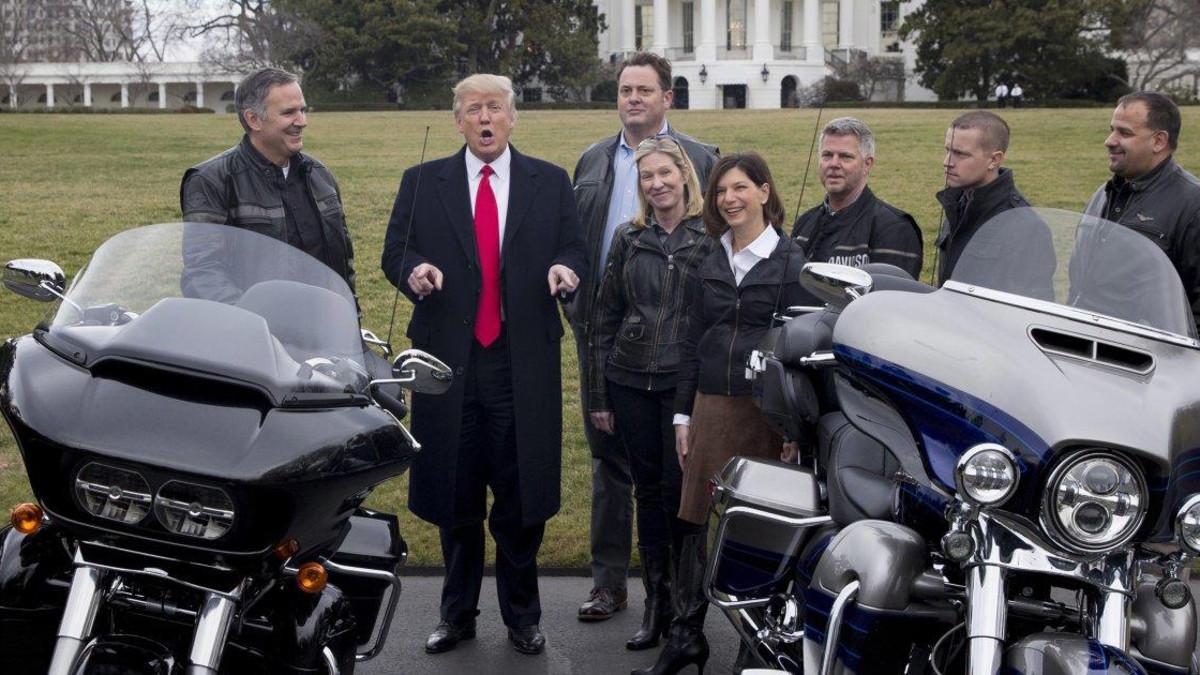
(155,27)
(19,22)
(1156,36)
(254,33)
(872,73)
(99,29)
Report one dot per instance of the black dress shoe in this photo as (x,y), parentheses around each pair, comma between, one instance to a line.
(447,636)
(527,639)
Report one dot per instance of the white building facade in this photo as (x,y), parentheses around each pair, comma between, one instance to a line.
(754,53)
(116,84)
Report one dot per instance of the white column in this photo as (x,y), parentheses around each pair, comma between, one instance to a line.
(707,49)
(846,23)
(49,95)
(661,32)
(162,95)
(762,31)
(124,94)
(87,95)
(627,26)
(812,31)
(12,98)
(199,94)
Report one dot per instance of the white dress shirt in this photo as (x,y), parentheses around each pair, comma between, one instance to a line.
(500,181)
(744,260)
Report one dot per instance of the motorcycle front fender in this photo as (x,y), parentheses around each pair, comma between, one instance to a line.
(125,654)
(1067,654)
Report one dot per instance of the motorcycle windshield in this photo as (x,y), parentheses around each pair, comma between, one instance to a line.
(1078,266)
(219,302)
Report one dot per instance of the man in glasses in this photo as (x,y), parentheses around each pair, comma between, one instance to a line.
(606,186)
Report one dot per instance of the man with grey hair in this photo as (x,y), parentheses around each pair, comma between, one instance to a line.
(485,242)
(852,226)
(265,183)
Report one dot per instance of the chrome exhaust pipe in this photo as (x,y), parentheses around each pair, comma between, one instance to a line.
(83,601)
(987,615)
(212,629)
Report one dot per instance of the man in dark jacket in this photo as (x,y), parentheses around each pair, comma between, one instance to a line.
(853,226)
(606,186)
(977,187)
(494,241)
(267,185)
(1149,192)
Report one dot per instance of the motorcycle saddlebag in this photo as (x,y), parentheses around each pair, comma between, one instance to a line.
(763,512)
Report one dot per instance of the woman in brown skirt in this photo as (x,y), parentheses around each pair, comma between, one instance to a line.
(739,287)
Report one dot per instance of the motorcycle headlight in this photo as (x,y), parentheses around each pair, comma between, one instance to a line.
(113,493)
(986,474)
(194,510)
(1096,502)
(1187,524)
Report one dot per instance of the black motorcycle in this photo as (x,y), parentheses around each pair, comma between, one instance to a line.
(201,423)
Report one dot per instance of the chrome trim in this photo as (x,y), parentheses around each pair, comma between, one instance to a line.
(372,339)
(820,359)
(212,629)
(1008,544)
(1192,501)
(1113,619)
(144,554)
(1072,313)
(834,628)
(161,575)
(714,556)
(331,666)
(383,621)
(970,454)
(1049,522)
(79,615)
(987,615)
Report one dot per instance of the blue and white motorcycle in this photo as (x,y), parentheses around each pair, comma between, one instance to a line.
(1002,475)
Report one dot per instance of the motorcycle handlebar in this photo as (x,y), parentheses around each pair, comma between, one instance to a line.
(390,403)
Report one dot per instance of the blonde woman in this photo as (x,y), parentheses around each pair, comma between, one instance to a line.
(638,322)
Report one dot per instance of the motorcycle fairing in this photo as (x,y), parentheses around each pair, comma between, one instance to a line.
(297,471)
(954,380)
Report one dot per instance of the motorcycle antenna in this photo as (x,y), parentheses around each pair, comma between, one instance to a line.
(945,221)
(408,233)
(811,146)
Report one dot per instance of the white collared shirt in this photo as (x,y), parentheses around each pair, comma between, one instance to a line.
(500,181)
(758,250)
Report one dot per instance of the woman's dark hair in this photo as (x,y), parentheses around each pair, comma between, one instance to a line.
(755,167)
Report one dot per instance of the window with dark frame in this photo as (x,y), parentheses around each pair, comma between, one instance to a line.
(785,35)
(689,39)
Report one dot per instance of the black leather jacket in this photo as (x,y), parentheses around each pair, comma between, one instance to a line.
(239,187)
(640,313)
(726,321)
(593,181)
(1163,205)
(963,218)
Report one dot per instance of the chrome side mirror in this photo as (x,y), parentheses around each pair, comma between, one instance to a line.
(370,338)
(421,372)
(837,285)
(39,280)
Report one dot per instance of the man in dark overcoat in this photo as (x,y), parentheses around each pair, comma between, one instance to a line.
(494,245)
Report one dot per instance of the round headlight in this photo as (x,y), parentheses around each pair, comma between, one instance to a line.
(1187,524)
(1096,502)
(986,474)
(194,510)
(113,493)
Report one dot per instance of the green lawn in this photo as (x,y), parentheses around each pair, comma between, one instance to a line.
(67,182)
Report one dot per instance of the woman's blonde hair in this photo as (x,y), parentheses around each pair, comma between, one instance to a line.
(692,194)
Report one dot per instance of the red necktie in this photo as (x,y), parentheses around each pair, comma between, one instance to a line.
(487,243)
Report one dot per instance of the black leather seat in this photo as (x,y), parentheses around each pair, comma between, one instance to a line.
(859,471)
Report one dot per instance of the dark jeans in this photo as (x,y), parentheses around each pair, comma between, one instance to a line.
(643,420)
(612,493)
(487,458)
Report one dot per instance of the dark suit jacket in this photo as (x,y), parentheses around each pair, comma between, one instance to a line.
(541,230)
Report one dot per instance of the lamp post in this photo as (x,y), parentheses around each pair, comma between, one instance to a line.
(766,74)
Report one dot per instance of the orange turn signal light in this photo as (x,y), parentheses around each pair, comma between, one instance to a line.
(287,549)
(312,577)
(27,518)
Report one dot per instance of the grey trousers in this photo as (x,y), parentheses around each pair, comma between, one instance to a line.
(612,493)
